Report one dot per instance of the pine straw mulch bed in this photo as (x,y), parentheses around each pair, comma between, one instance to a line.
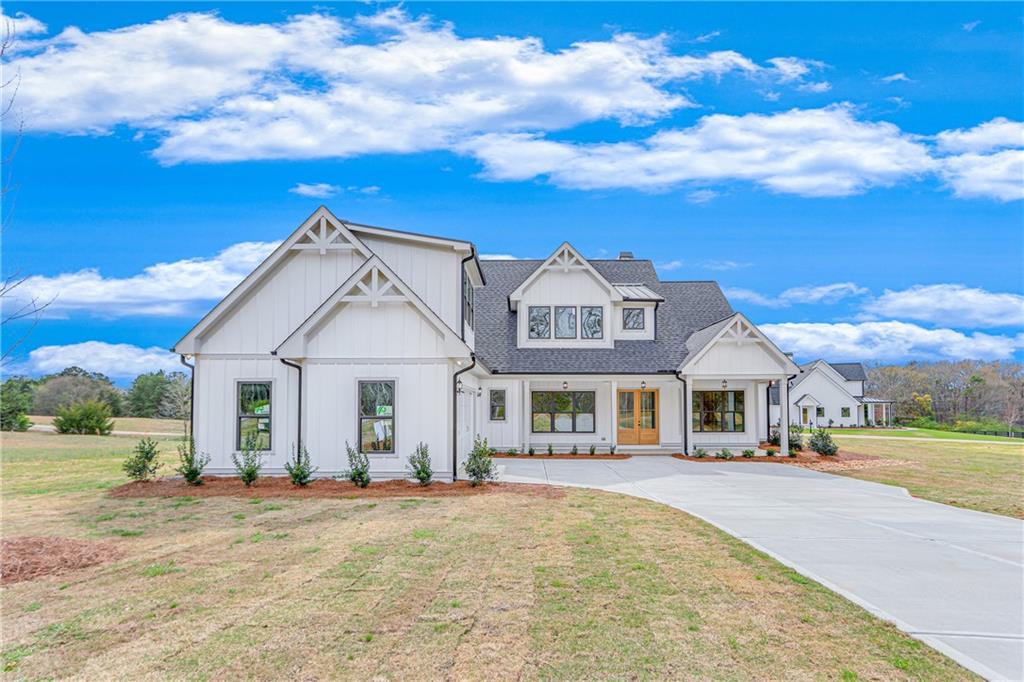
(281,486)
(562,455)
(844,460)
(30,557)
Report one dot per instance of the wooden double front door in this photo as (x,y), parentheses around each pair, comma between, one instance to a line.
(637,411)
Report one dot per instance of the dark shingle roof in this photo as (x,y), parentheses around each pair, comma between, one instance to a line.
(851,371)
(688,307)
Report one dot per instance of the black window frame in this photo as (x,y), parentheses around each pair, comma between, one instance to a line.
(819,413)
(467,298)
(697,413)
(268,417)
(529,326)
(643,320)
(582,328)
(845,412)
(575,322)
(490,404)
(360,418)
(575,412)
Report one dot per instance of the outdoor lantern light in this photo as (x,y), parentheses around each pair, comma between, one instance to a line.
(458,386)
(565,385)
(643,384)
(725,384)
(479,392)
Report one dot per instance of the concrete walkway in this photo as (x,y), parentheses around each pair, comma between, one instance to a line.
(953,578)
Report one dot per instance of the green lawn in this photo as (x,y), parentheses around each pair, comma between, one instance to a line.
(984,476)
(924,433)
(582,585)
(139,424)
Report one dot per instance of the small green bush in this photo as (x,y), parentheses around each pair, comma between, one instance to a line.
(792,452)
(593,449)
(775,437)
(141,465)
(249,463)
(419,464)
(15,403)
(512,452)
(724,453)
(191,463)
(88,417)
(748,453)
(796,437)
(700,453)
(575,450)
(358,467)
(551,449)
(612,449)
(532,451)
(822,443)
(300,469)
(480,467)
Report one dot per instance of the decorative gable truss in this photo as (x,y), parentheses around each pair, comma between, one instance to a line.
(565,259)
(374,285)
(743,345)
(328,234)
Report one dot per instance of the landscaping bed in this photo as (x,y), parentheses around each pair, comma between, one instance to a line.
(281,486)
(30,557)
(841,461)
(563,455)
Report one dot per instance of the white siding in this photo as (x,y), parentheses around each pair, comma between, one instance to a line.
(391,330)
(285,298)
(508,433)
(555,287)
(647,333)
(830,396)
(728,358)
(735,441)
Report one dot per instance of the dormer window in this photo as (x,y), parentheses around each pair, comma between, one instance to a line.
(633,319)
(592,319)
(540,322)
(467,299)
(565,322)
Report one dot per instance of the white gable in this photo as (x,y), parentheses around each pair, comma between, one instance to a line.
(738,348)
(566,261)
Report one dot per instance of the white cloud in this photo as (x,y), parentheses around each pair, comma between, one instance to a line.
(825,294)
(701,196)
(318,190)
(498,256)
(725,264)
(370,190)
(816,152)
(953,305)
(987,176)
(999,133)
(21,24)
(792,68)
(386,82)
(818,87)
(971,25)
(707,37)
(895,78)
(164,289)
(888,341)
(669,266)
(116,360)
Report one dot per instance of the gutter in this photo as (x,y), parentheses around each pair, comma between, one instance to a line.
(686,431)
(298,426)
(191,395)
(455,415)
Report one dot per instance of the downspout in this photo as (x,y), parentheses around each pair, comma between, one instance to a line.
(686,444)
(298,427)
(455,415)
(191,396)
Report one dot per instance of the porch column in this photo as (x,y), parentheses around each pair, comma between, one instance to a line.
(527,416)
(613,437)
(784,416)
(687,420)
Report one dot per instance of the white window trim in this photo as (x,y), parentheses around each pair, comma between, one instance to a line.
(237,445)
(359,419)
(495,390)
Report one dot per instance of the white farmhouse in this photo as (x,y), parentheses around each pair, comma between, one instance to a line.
(832,394)
(381,339)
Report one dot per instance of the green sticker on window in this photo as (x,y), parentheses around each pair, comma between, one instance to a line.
(383,410)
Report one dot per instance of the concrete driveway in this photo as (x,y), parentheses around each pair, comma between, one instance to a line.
(953,578)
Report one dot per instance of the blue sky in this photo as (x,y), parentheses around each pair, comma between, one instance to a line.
(850,174)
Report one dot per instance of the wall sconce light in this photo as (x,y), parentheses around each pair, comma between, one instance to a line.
(565,385)
(725,384)
(643,384)
(458,386)
(479,392)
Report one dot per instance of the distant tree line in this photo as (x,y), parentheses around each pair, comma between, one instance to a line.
(160,394)
(968,395)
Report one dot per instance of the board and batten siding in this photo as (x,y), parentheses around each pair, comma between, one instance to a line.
(280,303)
(753,412)
(575,288)
(391,330)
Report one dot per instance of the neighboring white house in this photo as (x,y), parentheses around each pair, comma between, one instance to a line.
(832,394)
(382,339)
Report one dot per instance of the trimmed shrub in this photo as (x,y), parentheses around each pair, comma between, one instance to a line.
(88,417)
(141,465)
(575,450)
(796,437)
(300,469)
(249,463)
(792,452)
(724,453)
(612,449)
(700,453)
(822,443)
(512,452)
(774,437)
(419,464)
(748,453)
(480,467)
(191,463)
(593,449)
(532,451)
(358,467)
(551,449)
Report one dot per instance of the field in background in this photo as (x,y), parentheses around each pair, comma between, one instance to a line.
(983,476)
(138,424)
(502,586)
(923,433)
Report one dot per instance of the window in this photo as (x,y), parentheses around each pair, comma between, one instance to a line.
(563,411)
(565,322)
(377,416)
(844,411)
(592,322)
(253,414)
(819,412)
(540,322)
(467,299)
(717,411)
(497,402)
(633,319)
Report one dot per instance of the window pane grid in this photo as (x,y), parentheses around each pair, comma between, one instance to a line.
(562,411)
(497,404)
(633,319)
(377,416)
(253,417)
(718,411)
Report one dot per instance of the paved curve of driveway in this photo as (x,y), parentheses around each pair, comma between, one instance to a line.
(953,578)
